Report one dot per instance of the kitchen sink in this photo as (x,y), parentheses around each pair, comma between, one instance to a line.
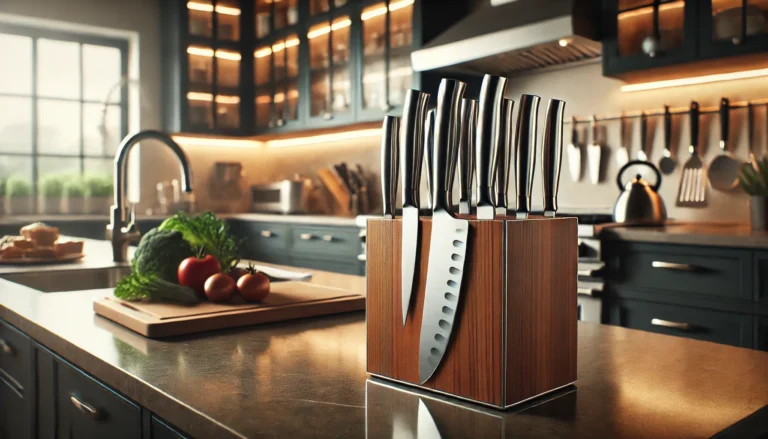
(70,280)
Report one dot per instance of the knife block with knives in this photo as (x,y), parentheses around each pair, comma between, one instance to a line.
(487,312)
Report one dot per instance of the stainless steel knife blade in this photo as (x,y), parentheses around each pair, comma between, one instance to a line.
(468,120)
(411,156)
(525,152)
(552,155)
(429,145)
(426,425)
(389,163)
(449,238)
(486,139)
(504,148)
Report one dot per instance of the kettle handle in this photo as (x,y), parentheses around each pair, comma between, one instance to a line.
(655,186)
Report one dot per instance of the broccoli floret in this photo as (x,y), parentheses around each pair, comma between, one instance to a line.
(160,252)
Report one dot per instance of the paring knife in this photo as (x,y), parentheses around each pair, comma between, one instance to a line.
(389,161)
(504,154)
(411,156)
(448,243)
(594,153)
(641,154)
(552,155)
(525,152)
(622,154)
(429,142)
(468,120)
(486,139)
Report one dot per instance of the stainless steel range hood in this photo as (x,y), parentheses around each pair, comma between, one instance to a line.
(507,36)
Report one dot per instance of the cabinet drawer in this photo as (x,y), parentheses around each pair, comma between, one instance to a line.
(715,326)
(161,430)
(88,409)
(326,240)
(761,280)
(267,236)
(15,359)
(707,271)
(332,265)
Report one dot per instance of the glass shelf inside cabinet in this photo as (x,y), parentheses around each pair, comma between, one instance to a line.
(374,20)
(227,69)
(319,65)
(200,67)
(228,20)
(263,18)
(319,6)
(635,24)
(286,13)
(200,110)
(263,108)
(400,42)
(200,14)
(227,112)
(727,16)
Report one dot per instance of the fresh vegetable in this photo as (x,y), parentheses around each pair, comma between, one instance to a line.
(237,272)
(194,271)
(253,286)
(219,288)
(138,286)
(207,233)
(160,252)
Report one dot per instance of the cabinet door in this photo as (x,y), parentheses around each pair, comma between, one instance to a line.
(15,419)
(761,342)
(276,80)
(16,392)
(161,430)
(630,44)
(330,72)
(733,27)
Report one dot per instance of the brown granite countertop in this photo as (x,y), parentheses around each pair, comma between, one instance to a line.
(307,378)
(703,234)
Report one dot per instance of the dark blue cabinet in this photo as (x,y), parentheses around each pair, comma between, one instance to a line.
(17,391)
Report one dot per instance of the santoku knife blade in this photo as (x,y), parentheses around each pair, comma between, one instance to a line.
(389,163)
(504,154)
(525,152)
(448,242)
(468,120)
(487,137)
(552,155)
(411,156)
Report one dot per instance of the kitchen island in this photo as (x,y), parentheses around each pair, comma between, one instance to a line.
(307,378)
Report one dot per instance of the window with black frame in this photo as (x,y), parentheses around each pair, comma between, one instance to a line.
(63,111)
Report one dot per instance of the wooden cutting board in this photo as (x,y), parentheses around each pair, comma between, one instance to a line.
(286,301)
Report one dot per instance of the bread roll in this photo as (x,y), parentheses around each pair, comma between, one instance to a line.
(41,234)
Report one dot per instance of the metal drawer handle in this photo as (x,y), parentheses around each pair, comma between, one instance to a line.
(84,408)
(267,233)
(674,266)
(306,236)
(328,238)
(672,325)
(6,348)
(588,292)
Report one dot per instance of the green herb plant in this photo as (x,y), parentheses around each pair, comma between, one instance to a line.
(754,178)
(137,286)
(74,186)
(2,187)
(17,186)
(98,185)
(209,234)
(52,186)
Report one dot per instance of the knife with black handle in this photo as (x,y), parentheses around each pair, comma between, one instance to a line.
(525,152)
(504,153)
(429,148)
(389,163)
(552,155)
(486,139)
(468,121)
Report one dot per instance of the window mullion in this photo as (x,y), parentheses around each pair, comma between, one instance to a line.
(82,114)
(35,124)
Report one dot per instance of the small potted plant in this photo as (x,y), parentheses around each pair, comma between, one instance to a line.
(51,195)
(754,181)
(18,196)
(74,195)
(98,192)
(2,196)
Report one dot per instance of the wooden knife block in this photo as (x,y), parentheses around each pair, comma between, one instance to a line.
(515,331)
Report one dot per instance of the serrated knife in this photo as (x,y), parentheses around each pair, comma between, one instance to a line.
(552,155)
(525,152)
(389,169)
(504,148)
(468,118)
(448,241)
(411,156)
(487,138)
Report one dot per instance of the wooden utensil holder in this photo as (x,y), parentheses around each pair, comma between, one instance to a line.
(514,336)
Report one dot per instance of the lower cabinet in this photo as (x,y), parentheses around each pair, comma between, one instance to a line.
(762,333)
(16,383)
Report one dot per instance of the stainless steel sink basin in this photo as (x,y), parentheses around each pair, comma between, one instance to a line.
(70,280)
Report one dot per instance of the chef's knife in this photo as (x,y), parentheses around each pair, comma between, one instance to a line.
(552,155)
(389,168)
(504,154)
(468,120)
(429,142)
(525,152)
(448,243)
(487,137)
(411,155)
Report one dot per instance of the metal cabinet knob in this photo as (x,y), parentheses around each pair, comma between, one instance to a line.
(736,41)
(672,325)
(306,236)
(267,233)
(280,122)
(327,238)
(6,348)
(327,116)
(84,408)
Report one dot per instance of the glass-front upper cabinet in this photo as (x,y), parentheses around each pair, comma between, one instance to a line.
(276,80)
(274,15)
(225,13)
(386,45)
(731,27)
(640,32)
(330,70)
(213,104)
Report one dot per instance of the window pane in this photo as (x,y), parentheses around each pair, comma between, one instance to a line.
(58,69)
(11,166)
(57,165)
(99,166)
(93,121)
(58,127)
(101,72)
(15,64)
(15,125)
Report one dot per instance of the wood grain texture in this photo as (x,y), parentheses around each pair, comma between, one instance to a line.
(542,262)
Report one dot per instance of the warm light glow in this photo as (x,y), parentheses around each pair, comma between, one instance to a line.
(261,53)
(232,56)
(205,7)
(222,99)
(278,47)
(293,42)
(318,32)
(227,10)
(207,141)
(341,23)
(263,99)
(195,96)
(292,94)
(694,81)
(649,10)
(373,78)
(400,5)
(563,42)
(200,51)
(348,135)
(336,25)
(371,13)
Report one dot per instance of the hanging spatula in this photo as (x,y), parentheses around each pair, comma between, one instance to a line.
(692,191)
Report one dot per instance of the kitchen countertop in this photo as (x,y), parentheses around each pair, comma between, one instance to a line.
(264,217)
(98,254)
(703,234)
(307,378)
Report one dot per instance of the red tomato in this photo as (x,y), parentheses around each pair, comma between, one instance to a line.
(254,287)
(220,288)
(193,272)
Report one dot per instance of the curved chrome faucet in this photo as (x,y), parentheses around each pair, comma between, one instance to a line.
(122,228)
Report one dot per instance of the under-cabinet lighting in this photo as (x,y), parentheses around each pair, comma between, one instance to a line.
(215,142)
(340,24)
(196,96)
(293,42)
(264,99)
(200,51)
(205,7)
(400,5)
(694,81)
(336,25)
(335,137)
(278,47)
(207,52)
(649,9)
(367,15)
(227,10)
(261,53)
(232,56)
(222,99)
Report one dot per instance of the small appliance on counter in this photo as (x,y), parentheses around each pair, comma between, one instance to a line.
(285,197)
(639,202)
